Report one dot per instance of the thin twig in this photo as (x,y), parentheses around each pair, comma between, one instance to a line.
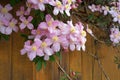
(63,70)
(100,65)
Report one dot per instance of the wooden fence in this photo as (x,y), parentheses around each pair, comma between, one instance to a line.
(13,66)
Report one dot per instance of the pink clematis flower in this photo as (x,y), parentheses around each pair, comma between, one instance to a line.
(4,11)
(26,22)
(2,25)
(58,7)
(45,48)
(50,24)
(11,26)
(40,4)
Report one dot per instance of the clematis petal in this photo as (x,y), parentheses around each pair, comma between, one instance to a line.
(22,26)
(30,26)
(72,47)
(55,11)
(31,55)
(48,51)
(41,6)
(23,51)
(46,57)
(8,30)
(56,47)
(43,25)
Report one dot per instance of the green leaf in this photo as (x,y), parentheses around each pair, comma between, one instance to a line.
(6,37)
(52,58)
(14,2)
(39,65)
(58,54)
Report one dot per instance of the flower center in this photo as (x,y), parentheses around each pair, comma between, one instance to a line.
(4,10)
(72,30)
(34,48)
(58,3)
(67,6)
(83,33)
(49,23)
(119,16)
(25,22)
(12,24)
(38,32)
(44,44)
(21,12)
(40,0)
(55,38)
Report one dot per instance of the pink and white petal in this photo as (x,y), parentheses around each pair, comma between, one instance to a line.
(78,47)
(30,18)
(8,7)
(18,13)
(23,51)
(46,57)
(115,19)
(83,47)
(48,41)
(31,55)
(56,47)
(30,26)
(67,12)
(27,12)
(22,18)
(8,30)
(43,25)
(41,6)
(55,11)
(15,29)
(72,47)
(40,53)
(34,1)
(2,29)
(48,18)
(8,16)
(22,26)
(48,51)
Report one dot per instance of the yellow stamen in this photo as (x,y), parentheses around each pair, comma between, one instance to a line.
(83,33)
(55,38)
(34,48)
(38,32)
(72,30)
(49,23)
(44,44)
(58,3)
(25,22)
(4,10)
(40,0)
(12,24)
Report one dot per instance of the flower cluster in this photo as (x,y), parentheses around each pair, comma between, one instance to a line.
(59,6)
(52,35)
(115,35)
(7,22)
(113,10)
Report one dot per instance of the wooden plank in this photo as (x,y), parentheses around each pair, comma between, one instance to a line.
(75,62)
(87,61)
(22,68)
(64,62)
(45,73)
(108,63)
(5,60)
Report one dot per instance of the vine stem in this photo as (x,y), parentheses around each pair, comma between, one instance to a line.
(63,70)
(100,65)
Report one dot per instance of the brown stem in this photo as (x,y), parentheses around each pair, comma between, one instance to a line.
(63,70)
(100,65)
